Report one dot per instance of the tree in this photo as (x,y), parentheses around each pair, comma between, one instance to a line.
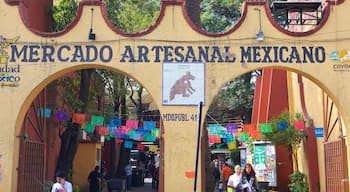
(78,102)
(129,16)
(133,15)
(62,14)
(284,133)
(235,99)
(219,15)
(290,136)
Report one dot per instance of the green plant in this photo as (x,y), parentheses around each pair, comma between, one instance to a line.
(298,182)
(289,136)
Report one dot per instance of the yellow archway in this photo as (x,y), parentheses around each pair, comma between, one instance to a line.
(38,58)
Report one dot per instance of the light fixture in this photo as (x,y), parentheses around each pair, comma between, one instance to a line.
(260,34)
(92,36)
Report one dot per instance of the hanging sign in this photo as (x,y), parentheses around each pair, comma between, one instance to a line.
(319,132)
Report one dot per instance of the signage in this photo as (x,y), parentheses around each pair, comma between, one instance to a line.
(164,53)
(183,83)
(318,132)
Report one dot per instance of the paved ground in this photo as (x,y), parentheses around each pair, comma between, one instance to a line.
(147,187)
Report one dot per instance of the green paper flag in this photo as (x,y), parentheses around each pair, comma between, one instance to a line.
(156,132)
(89,128)
(243,137)
(265,128)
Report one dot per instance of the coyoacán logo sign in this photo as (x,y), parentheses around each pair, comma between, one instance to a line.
(8,73)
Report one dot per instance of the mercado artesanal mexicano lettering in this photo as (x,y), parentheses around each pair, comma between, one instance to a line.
(144,54)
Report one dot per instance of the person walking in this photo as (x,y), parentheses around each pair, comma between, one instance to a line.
(248,182)
(233,180)
(128,173)
(94,180)
(61,185)
(226,172)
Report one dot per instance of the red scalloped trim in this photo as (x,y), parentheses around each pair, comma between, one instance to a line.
(164,3)
(297,34)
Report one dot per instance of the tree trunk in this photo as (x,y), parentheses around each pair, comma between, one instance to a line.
(69,146)
(70,137)
(115,150)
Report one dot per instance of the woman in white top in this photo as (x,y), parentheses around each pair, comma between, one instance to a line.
(61,184)
(234,179)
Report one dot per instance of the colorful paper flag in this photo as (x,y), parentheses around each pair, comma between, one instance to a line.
(97,120)
(78,118)
(256,134)
(243,137)
(156,132)
(265,128)
(89,128)
(128,144)
(44,112)
(134,124)
(228,137)
(61,115)
(214,128)
(116,122)
(299,125)
(232,127)
(149,125)
(153,148)
(212,139)
(231,145)
(149,137)
(282,126)
(248,128)
(140,147)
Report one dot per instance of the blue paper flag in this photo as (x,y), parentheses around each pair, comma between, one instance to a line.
(116,122)
(149,125)
(128,144)
(282,126)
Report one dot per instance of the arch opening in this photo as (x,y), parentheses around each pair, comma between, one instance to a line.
(79,117)
(233,134)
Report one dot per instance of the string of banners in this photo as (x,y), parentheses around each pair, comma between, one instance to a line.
(111,130)
(229,134)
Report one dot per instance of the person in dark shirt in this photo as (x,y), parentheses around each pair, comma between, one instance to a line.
(94,179)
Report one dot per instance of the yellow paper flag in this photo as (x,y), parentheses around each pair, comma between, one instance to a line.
(231,145)
(153,148)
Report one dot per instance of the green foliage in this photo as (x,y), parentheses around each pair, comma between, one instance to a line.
(71,90)
(238,93)
(133,15)
(63,13)
(219,15)
(298,182)
(287,137)
(76,188)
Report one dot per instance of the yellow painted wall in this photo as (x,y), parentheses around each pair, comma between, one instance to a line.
(84,163)
(314,106)
(173,30)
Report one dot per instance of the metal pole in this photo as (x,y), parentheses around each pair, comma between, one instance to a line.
(200,106)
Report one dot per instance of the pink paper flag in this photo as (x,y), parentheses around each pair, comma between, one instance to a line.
(299,125)
(140,147)
(132,124)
